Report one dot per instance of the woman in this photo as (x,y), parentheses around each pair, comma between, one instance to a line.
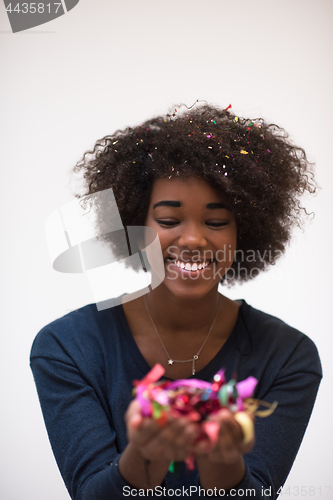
(223,195)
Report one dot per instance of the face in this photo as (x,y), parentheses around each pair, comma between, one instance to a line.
(197,233)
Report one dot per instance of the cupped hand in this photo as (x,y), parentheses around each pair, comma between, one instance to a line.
(173,441)
(230,445)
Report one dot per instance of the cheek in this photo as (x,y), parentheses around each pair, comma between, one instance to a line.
(168,249)
(233,236)
(167,239)
(233,248)
(227,247)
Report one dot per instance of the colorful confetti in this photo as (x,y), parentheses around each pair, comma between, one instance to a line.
(196,400)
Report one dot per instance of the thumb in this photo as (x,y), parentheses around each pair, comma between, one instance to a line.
(133,415)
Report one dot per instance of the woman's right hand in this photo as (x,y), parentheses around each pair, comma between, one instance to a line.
(173,441)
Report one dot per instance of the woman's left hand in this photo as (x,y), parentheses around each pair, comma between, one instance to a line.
(230,446)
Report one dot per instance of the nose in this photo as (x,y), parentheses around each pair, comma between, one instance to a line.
(192,237)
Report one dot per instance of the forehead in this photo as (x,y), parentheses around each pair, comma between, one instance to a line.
(183,189)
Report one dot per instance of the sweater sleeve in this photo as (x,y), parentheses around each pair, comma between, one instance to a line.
(82,440)
(279,436)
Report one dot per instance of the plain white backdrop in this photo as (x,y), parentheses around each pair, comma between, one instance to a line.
(106,65)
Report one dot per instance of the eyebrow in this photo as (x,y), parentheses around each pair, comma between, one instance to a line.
(213,206)
(167,203)
(177,204)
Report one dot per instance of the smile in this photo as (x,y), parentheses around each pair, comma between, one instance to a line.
(192,266)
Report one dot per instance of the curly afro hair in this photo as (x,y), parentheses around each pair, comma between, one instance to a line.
(252,165)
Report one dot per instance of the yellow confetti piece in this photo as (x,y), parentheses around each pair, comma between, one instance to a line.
(236,118)
(243,152)
(226,156)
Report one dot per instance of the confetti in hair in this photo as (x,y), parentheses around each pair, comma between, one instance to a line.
(212,143)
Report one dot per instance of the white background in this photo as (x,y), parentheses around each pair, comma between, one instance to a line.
(105,65)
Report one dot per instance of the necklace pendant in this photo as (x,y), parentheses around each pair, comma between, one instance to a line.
(195,357)
(170,362)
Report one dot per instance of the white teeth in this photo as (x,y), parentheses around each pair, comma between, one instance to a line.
(192,267)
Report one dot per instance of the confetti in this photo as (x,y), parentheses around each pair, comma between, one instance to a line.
(197,400)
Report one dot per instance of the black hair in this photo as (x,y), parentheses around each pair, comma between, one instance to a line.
(253,165)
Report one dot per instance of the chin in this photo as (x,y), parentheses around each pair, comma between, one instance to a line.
(191,292)
(192,285)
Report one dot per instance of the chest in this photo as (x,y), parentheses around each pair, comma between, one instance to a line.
(182,352)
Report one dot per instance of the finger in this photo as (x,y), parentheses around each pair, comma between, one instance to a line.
(186,434)
(174,442)
(233,428)
(203,447)
(228,447)
(241,425)
(133,415)
(140,429)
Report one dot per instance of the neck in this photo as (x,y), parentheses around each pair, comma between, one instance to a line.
(174,315)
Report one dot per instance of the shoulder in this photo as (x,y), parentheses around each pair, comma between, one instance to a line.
(75,334)
(270,338)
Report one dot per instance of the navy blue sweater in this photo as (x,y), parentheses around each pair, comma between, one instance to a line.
(85,362)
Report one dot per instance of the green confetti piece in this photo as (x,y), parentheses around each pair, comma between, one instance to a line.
(156,410)
(175,468)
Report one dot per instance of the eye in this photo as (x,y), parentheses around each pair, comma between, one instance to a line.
(217,224)
(167,223)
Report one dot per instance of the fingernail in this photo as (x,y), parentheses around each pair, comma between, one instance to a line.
(136,421)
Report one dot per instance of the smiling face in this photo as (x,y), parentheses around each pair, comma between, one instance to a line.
(197,233)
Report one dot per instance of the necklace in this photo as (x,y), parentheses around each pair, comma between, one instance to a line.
(196,356)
